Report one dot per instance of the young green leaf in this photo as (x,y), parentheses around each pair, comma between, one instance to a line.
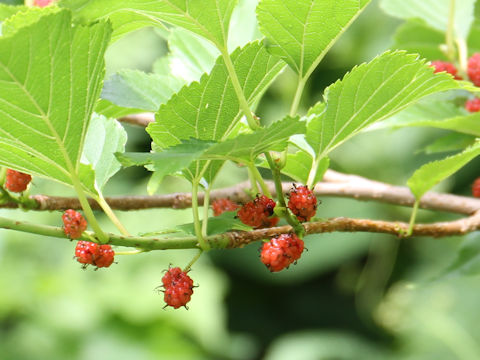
(109,110)
(208,18)
(218,225)
(209,110)
(372,92)
(243,148)
(299,165)
(434,12)
(450,142)
(415,36)
(432,173)
(138,90)
(435,114)
(51,74)
(246,147)
(189,58)
(301,32)
(105,137)
(8,10)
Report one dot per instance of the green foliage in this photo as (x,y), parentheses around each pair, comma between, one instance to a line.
(104,138)
(369,93)
(434,13)
(436,114)
(450,142)
(189,56)
(432,173)
(208,18)
(46,105)
(243,149)
(303,43)
(138,90)
(415,36)
(53,124)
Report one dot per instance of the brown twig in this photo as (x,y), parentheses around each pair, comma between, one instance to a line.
(142,119)
(341,224)
(341,185)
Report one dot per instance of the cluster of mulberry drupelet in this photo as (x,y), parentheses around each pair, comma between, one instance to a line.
(86,252)
(285,249)
(178,288)
(473,72)
(16,181)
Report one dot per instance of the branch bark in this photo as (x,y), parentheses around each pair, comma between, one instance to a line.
(335,184)
(236,239)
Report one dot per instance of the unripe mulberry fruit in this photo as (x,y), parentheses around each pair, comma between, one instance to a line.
(86,252)
(281,251)
(473,105)
(257,213)
(302,202)
(105,256)
(90,253)
(473,69)
(16,181)
(220,206)
(441,66)
(178,287)
(476,188)
(73,224)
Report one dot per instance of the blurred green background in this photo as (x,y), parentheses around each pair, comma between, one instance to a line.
(351,296)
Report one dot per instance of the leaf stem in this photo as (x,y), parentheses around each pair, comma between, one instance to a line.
(252,179)
(462,55)
(449,35)
(313,173)
(111,215)
(252,122)
(196,219)
(285,212)
(258,177)
(298,95)
(413,217)
(87,209)
(206,206)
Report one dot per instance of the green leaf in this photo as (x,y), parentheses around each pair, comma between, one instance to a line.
(105,137)
(416,37)
(432,173)
(218,224)
(8,10)
(189,58)
(473,41)
(27,16)
(299,165)
(166,162)
(436,114)
(450,142)
(434,13)
(301,32)
(49,87)
(209,110)
(208,18)
(372,92)
(244,148)
(244,18)
(247,147)
(136,89)
(109,110)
